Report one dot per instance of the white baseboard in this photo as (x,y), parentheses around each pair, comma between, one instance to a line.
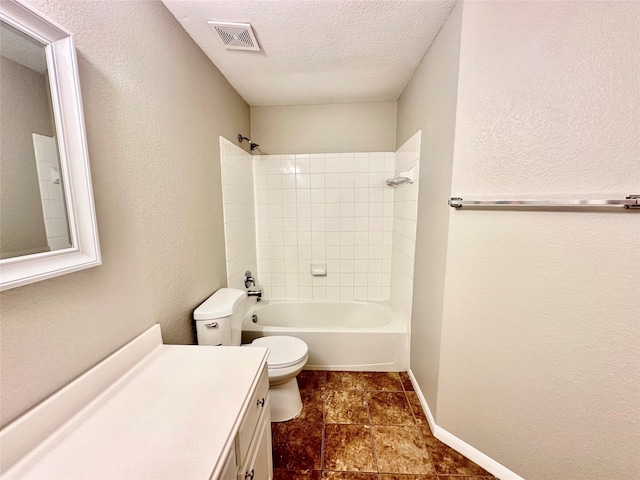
(472,453)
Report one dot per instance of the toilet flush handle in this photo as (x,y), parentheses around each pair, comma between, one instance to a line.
(211,325)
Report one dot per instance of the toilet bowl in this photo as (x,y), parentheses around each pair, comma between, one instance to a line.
(219,321)
(287,357)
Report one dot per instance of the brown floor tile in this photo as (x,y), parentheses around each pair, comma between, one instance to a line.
(312,380)
(401,449)
(399,476)
(344,381)
(404,452)
(418,412)
(297,445)
(348,447)
(346,407)
(426,431)
(406,382)
(464,477)
(349,476)
(382,381)
(389,408)
(312,406)
(447,461)
(279,474)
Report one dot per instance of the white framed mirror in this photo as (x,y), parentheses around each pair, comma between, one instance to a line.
(47,215)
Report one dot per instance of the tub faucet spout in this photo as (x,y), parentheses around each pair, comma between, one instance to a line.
(255,293)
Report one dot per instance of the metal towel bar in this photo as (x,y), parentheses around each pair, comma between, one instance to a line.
(630,201)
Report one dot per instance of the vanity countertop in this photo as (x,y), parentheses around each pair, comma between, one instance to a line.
(174,414)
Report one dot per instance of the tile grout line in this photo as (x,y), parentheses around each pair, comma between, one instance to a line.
(373,443)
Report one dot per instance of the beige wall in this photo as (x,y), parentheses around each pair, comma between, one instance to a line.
(429,104)
(25,110)
(154,109)
(338,128)
(539,365)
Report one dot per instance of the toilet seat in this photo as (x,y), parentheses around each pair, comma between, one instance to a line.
(283,351)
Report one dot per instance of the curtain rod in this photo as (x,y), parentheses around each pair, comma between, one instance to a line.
(630,202)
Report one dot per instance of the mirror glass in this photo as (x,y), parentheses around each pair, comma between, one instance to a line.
(33,210)
(48,222)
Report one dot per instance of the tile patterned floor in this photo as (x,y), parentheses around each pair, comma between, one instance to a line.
(363,426)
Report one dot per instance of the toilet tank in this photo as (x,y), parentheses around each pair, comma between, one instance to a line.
(219,318)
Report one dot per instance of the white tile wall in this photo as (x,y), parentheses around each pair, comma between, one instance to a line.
(405,214)
(53,204)
(239,212)
(325,208)
(284,212)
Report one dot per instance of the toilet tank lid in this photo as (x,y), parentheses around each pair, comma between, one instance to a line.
(221,304)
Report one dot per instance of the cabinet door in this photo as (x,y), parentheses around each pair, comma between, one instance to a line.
(230,467)
(250,423)
(259,465)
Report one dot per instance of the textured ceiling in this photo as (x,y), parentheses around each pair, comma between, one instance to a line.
(318,51)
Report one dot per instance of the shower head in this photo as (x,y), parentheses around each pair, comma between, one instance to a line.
(252,146)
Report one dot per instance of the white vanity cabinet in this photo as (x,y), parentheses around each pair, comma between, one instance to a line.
(259,463)
(230,468)
(251,458)
(151,411)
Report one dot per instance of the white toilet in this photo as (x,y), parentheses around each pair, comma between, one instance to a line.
(219,322)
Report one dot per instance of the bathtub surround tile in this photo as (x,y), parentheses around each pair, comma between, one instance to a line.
(401,449)
(344,381)
(239,212)
(447,461)
(389,408)
(297,445)
(317,193)
(389,381)
(404,227)
(311,447)
(346,407)
(348,448)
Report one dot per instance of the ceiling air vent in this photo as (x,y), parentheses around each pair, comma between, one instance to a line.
(236,36)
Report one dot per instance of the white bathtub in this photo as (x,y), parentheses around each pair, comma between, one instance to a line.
(362,336)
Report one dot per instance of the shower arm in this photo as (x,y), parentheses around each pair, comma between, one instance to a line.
(252,145)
